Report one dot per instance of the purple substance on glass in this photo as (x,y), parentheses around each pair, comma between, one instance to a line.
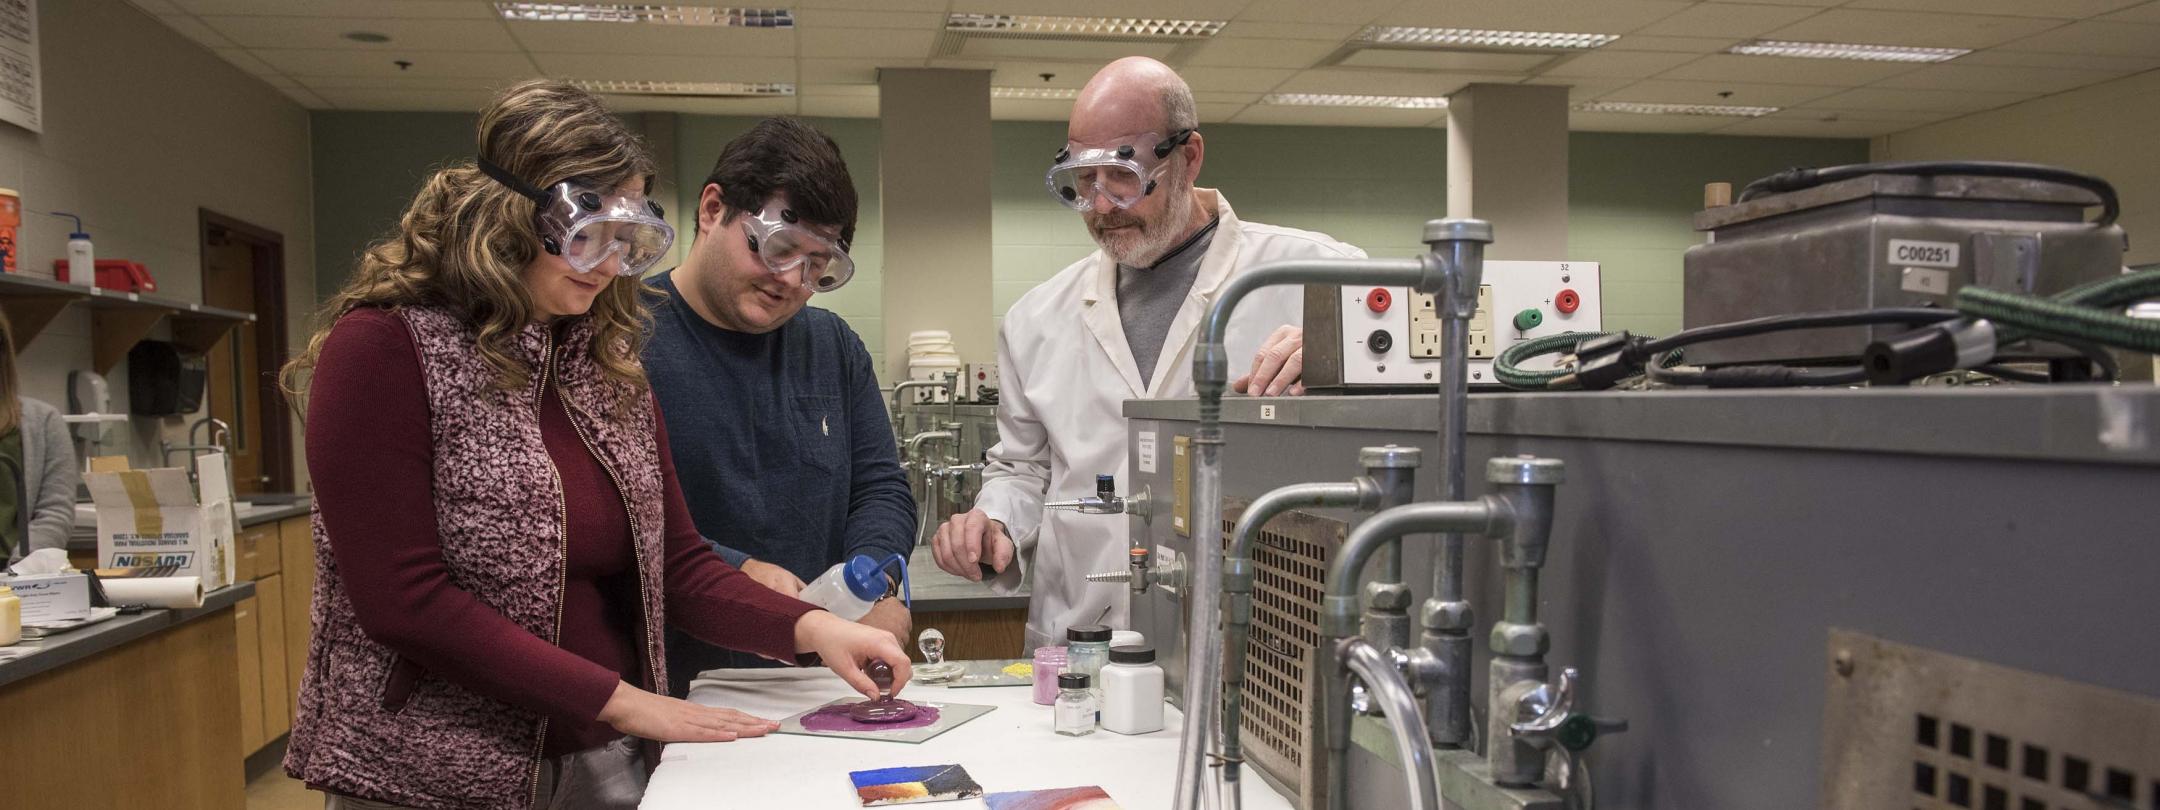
(836,717)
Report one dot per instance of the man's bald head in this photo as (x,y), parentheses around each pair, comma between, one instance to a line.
(1131,96)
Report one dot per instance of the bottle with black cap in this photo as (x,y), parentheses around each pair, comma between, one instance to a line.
(1132,691)
(1074,714)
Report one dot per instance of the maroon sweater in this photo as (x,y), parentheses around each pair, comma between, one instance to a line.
(369,452)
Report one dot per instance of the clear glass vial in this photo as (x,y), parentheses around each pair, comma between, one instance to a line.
(1074,714)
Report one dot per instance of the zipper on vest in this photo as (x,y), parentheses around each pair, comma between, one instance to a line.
(653,678)
(562,560)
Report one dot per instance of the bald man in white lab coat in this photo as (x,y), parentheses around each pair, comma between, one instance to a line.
(1119,324)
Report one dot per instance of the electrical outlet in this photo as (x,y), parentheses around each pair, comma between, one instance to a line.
(1481,332)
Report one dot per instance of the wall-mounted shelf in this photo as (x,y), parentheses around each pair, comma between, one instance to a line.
(118,320)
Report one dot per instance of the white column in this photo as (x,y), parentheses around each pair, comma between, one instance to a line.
(1508,165)
(934,160)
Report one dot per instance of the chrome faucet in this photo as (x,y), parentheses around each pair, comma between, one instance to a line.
(220,435)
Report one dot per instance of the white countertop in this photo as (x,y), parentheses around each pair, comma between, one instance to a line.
(1011,748)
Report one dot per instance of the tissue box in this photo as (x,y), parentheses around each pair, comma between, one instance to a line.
(51,598)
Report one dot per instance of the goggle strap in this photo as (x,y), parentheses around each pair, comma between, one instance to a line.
(1162,150)
(510,181)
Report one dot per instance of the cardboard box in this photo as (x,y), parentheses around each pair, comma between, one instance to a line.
(153,519)
(51,598)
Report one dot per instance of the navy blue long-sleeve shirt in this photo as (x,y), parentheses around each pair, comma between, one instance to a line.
(783,447)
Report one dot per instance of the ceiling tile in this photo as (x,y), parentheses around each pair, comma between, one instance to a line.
(1376,83)
(247,61)
(1029,74)
(1624,122)
(194,30)
(937,6)
(1633,42)
(810,18)
(1100,53)
(365,9)
(1784,70)
(1262,53)
(2147,13)
(1582,89)
(2108,38)
(1665,91)
(843,71)
(1726,20)
(1874,116)
(391,82)
(1216,113)
(354,98)
(1601,17)
(1619,64)
(671,40)
(839,106)
(327,33)
(1886,98)
(830,90)
(1911,28)
(1815,3)
(1353,12)
(305,98)
(2059,9)
(866,43)
(1457,61)
(1242,28)
(157,6)
(1337,116)
(759,107)
(1811,129)
(320,62)
(1955,76)
(632,67)
(1234,80)
(2073,61)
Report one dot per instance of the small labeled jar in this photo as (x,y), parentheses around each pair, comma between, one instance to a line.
(1087,649)
(1075,712)
(1049,662)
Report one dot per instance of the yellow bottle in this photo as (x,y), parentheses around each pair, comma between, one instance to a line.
(10,616)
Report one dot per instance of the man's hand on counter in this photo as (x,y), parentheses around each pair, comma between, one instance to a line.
(642,714)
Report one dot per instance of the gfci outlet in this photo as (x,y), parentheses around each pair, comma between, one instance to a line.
(1565,296)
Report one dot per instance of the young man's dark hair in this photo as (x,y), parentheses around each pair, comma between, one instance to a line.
(785,154)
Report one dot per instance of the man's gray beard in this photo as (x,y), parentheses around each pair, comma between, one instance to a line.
(1154,240)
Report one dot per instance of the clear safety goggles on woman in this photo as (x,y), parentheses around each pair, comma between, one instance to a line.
(1123,174)
(785,244)
(585,224)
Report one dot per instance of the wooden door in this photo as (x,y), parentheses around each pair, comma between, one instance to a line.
(235,362)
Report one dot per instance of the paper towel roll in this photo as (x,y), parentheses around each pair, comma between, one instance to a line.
(163,592)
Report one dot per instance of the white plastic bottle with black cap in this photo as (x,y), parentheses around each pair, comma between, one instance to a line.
(850,588)
(1132,691)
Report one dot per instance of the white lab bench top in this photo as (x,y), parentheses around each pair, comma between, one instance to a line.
(1011,748)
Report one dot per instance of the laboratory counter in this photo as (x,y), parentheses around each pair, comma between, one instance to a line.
(977,622)
(31,657)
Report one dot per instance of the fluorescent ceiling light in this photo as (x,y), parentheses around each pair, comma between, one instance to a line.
(1042,93)
(1646,108)
(711,89)
(1838,50)
(647,13)
(1345,100)
(1405,36)
(1096,27)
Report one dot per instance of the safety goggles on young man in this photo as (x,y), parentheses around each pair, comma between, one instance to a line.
(784,244)
(1124,174)
(586,224)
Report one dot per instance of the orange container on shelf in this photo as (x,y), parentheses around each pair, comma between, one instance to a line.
(10,219)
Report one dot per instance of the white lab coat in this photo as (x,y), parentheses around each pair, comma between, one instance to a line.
(1066,372)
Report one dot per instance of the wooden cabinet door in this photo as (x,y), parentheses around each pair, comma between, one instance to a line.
(247,624)
(297,539)
(277,693)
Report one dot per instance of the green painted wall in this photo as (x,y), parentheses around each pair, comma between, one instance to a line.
(1632,197)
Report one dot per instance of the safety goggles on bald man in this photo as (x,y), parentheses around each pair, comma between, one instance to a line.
(1123,174)
(784,243)
(586,224)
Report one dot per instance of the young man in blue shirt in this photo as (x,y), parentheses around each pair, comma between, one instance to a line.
(780,436)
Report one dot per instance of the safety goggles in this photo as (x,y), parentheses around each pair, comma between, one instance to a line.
(1124,174)
(587,225)
(784,244)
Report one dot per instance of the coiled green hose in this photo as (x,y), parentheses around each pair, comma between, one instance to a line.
(1507,368)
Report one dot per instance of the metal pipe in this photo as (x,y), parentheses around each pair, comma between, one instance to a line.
(1384,681)
(914,443)
(1211,375)
(1339,616)
(909,385)
(1387,599)
(1459,245)
(1362,493)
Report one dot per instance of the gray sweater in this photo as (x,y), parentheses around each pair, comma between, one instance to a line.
(49,461)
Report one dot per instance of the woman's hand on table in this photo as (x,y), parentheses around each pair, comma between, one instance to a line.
(642,714)
(847,647)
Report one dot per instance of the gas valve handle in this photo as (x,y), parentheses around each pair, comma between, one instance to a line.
(1553,720)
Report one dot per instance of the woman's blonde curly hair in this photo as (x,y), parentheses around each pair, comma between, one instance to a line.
(465,241)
